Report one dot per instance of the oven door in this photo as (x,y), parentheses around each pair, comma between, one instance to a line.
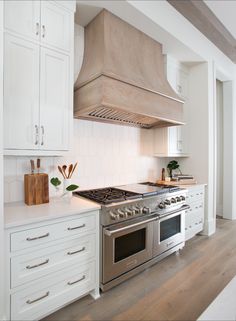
(126,246)
(169,231)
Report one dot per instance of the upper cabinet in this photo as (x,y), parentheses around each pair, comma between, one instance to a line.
(38,77)
(23,18)
(173,141)
(46,22)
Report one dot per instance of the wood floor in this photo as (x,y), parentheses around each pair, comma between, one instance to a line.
(177,288)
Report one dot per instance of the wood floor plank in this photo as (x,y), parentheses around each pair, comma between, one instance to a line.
(177,288)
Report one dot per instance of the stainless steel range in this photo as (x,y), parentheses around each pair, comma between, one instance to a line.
(140,225)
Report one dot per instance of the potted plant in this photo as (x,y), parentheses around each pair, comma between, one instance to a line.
(172,165)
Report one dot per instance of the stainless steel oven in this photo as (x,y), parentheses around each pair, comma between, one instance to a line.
(126,245)
(169,231)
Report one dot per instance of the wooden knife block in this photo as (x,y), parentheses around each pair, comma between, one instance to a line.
(36,189)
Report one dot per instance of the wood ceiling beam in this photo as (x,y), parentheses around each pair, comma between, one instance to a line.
(200,15)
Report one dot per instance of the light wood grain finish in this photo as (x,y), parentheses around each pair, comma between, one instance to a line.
(199,14)
(177,288)
(36,189)
(125,74)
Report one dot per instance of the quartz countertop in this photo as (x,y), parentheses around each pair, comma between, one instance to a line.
(18,213)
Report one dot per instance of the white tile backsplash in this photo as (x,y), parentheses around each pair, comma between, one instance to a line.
(107,155)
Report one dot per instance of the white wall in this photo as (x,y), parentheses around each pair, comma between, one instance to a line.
(107,155)
(2,260)
(220,150)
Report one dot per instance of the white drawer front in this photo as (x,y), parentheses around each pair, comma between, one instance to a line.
(39,236)
(31,266)
(39,299)
(194,220)
(194,194)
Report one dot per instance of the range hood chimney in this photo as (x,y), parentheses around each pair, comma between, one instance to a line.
(122,79)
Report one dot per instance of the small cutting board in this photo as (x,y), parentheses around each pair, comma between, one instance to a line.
(36,189)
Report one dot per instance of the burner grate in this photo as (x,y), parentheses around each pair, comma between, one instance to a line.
(108,195)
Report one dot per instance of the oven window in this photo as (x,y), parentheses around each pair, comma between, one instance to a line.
(170,227)
(130,244)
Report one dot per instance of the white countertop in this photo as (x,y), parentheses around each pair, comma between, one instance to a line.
(223,307)
(18,213)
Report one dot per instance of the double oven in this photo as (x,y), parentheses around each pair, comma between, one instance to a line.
(129,245)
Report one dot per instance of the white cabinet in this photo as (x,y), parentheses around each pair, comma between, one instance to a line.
(50,265)
(23,18)
(21,93)
(56,25)
(38,77)
(54,100)
(44,21)
(194,219)
(173,141)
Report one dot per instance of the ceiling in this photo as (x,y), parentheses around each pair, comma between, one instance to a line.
(215,19)
(225,11)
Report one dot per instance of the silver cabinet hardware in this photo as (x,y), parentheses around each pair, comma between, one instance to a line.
(42,297)
(81,279)
(37,29)
(42,141)
(43,31)
(36,265)
(76,227)
(78,251)
(37,237)
(36,134)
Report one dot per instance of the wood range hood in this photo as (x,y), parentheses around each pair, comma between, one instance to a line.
(122,79)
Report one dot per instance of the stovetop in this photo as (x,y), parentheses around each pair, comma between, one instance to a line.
(109,195)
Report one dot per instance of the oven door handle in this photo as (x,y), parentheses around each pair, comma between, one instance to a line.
(110,233)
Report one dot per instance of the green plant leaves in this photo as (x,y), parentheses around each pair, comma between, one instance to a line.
(55,181)
(72,188)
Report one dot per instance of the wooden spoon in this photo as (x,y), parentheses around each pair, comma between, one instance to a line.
(64,167)
(60,170)
(70,170)
(73,169)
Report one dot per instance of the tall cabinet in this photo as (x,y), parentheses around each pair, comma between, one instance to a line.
(38,76)
(173,141)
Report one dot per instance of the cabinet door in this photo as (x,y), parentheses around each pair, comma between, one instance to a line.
(56,26)
(21,93)
(23,17)
(54,100)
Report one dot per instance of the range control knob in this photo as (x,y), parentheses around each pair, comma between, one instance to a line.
(182,198)
(173,200)
(161,205)
(167,202)
(146,210)
(137,209)
(113,216)
(130,212)
(122,214)
(178,199)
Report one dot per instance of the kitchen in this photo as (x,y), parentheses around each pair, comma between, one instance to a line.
(108,155)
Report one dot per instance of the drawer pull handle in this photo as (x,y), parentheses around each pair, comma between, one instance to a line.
(37,238)
(76,227)
(81,250)
(81,279)
(37,265)
(42,297)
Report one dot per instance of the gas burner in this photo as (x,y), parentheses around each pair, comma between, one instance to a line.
(106,196)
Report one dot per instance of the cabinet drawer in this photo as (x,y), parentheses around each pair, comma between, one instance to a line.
(31,266)
(42,235)
(194,194)
(50,293)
